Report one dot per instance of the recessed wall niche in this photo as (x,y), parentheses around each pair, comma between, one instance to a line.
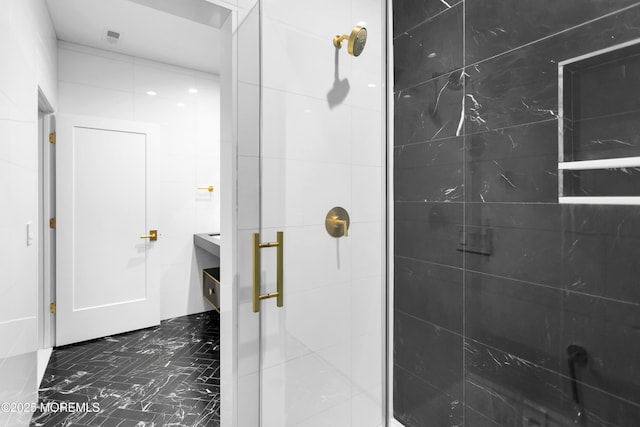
(599,127)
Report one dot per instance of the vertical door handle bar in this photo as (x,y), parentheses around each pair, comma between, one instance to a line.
(278,294)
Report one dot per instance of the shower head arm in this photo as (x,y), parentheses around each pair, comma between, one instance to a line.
(338,39)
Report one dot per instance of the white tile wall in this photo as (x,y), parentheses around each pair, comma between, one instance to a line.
(301,62)
(304,387)
(339,415)
(28,48)
(104,84)
(304,128)
(366,127)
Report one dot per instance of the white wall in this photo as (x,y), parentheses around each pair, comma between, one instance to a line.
(28,51)
(99,83)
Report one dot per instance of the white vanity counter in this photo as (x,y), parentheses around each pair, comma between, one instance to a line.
(210,242)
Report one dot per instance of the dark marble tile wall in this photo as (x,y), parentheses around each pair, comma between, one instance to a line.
(494,280)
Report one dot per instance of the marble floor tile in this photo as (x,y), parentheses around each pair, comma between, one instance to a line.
(167,375)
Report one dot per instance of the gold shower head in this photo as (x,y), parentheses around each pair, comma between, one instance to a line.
(357,40)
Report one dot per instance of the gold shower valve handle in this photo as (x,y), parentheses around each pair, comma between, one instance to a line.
(342,223)
(337,222)
(209,188)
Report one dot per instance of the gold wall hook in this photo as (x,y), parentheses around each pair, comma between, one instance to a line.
(209,188)
(337,222)
(357,40)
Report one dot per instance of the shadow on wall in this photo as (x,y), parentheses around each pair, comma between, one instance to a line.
(340,90)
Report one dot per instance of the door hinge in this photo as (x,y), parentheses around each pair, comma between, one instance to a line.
(52,137)
(52,223)
(52,308)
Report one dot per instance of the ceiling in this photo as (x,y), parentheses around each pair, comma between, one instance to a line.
(184,33)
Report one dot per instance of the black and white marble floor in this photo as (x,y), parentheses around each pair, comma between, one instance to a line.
(163,376)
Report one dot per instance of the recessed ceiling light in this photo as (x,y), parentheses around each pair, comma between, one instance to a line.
(151,93)
(180,104)
(371,85)
(193,90)
(307,110)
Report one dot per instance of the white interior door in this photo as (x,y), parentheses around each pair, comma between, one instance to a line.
(103,284)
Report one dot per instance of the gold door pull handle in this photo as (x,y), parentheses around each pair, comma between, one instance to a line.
(279,293)
(209,188)
(153,235)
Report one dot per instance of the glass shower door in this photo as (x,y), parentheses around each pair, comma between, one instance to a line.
(320,278)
